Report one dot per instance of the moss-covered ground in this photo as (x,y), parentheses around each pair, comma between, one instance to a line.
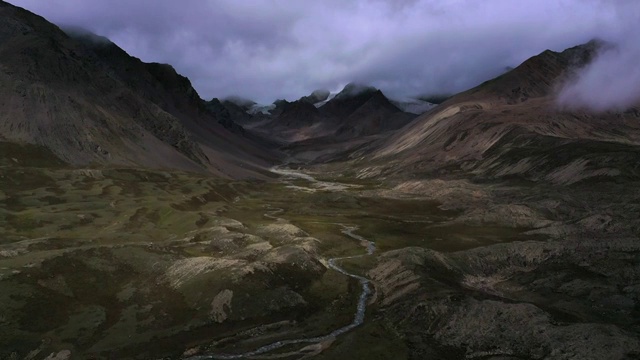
(128,263)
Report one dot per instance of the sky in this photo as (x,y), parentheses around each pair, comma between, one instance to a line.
(271,49)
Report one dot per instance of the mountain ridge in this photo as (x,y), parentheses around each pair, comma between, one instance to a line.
(467,131)
(110,107)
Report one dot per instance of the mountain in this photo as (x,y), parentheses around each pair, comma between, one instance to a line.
(298,114)
(536,77)
(542,217)
(316,96)
(348,100)
(356,111)
(511,127)
(88,101)
(227,115)
(377,114)
(241,102)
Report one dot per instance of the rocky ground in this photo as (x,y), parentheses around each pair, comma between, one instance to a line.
(124,263)
(104,263)
(518,270)
(571,292)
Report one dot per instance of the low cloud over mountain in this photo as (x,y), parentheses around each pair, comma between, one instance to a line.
(612,80)
(285,49)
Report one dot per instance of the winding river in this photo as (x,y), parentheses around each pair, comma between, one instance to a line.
(332,263)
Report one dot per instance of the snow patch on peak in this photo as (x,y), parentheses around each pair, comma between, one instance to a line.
(331,96)
(261,109)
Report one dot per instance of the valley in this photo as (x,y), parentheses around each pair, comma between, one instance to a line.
(139,221)
(158,237)
(138,263)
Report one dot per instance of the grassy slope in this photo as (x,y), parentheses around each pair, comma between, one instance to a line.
(103,261)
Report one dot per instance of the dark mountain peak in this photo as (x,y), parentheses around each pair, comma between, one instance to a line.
(244,103)
(300,106)
(554,63)
(218,108)
(230,110)
(280,102)
(377,100)
(215,101)
(316,96)
(355,89)
(350,99)
(375,115)
(378,97)
(581,55)
(35,49)
(228,119)
(539,75)
(359,110)
(18,21)
(172,80)
(280,105)
(377,104)
(231,105)
(298,114)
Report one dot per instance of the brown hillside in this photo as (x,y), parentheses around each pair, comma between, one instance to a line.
(90,102)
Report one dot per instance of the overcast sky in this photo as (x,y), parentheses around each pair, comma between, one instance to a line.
(272,49)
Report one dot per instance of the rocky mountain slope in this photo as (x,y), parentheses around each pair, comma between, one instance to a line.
(504,155)
(512,127)
(354,112)
(90,102)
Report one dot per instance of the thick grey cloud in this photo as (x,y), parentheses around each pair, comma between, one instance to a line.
(286,48)
(612,80)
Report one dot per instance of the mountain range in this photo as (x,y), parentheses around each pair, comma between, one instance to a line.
(357,110)
(509,126)
(140,221)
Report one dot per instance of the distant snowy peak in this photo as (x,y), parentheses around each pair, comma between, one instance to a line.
(319,98)
(320,103)
(261,109)
(413,106)
(349,91)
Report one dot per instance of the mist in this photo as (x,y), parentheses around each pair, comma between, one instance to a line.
(611,82)
(267,50)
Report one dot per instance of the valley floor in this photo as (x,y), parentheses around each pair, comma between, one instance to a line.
(142,264)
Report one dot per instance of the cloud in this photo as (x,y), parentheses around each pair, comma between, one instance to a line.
(269,49)
(612,80)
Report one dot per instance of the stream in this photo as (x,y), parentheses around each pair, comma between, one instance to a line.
(332,263)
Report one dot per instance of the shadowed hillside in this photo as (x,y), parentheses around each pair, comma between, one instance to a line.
(511,126)
(355,112)
(90,102)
